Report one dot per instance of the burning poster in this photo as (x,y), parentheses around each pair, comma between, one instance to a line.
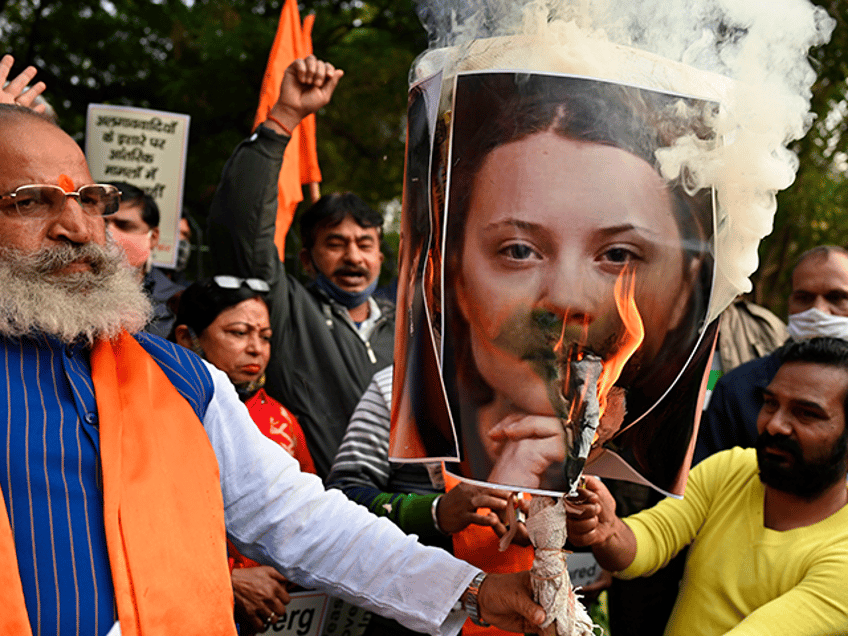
(576,278)
(601,174)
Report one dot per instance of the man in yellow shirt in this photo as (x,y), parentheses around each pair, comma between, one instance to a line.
(768,527)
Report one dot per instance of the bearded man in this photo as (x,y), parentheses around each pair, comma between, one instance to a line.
(126,455)
(768,555)
(817,306)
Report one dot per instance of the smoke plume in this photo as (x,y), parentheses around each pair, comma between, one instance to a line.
(750,56)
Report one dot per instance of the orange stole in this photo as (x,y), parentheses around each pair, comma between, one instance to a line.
(163,511)
(479,547)
(162,504)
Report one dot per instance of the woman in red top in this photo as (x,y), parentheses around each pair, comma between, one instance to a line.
(225,321)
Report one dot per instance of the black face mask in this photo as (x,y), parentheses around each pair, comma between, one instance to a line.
(806,479)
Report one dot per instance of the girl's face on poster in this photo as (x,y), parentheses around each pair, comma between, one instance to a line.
(551,224)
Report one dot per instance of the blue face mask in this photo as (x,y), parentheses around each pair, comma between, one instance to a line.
(348,299)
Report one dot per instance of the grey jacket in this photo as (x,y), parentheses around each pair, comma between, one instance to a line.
(320,366)
(748,331)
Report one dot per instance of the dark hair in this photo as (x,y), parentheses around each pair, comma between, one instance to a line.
(203,300)
(826,351)
(499,108)
(331,209)
(819,252)
(8,111)
(831,352)
(136,196)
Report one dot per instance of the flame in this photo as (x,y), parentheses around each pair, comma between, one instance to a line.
(630,340)
(634,334)
(576,353)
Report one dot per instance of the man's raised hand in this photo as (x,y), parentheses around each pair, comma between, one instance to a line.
(307,86)
(16,91)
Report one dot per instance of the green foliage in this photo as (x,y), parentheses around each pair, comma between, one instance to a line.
(361,135)
(206,58)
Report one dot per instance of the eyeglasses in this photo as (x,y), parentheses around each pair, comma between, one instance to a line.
(37,201)
(233,282)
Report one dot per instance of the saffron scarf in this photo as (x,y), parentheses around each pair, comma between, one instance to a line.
(479,546)
(162,506)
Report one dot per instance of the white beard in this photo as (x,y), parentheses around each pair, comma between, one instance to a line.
(86,305)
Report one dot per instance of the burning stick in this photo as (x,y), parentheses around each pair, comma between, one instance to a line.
(584,382)
(581,382)
(579,374)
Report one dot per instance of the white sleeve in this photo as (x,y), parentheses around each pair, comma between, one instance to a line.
(320,539)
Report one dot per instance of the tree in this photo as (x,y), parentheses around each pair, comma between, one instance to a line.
(206,58)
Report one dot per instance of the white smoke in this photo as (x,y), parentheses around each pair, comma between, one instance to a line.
(750,55)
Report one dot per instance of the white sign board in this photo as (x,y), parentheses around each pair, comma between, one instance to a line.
(583,569)
(145,148)
(315,614)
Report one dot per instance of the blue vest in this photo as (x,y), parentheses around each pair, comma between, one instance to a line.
(51,480)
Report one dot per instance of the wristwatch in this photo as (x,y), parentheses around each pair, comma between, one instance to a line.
(470,605)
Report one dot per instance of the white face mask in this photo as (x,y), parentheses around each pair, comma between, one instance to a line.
(814,322)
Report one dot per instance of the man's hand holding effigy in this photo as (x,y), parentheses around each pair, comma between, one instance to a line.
(460,508)
(592,522)
(505,601)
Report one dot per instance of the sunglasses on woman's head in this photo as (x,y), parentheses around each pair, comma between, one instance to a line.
(234,282)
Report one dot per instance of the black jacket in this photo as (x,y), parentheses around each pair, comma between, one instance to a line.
(320,366)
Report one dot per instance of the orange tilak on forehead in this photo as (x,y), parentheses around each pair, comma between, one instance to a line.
(66,183)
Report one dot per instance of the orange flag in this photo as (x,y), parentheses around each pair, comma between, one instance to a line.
(300,164)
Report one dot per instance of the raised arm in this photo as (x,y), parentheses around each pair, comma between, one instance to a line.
(242,220)
(17,91)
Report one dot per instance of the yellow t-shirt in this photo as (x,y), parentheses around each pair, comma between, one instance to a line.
(742,578)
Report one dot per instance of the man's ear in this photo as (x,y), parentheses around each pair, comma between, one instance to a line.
(186,337)
(154,238)
(183,336)
(306,262)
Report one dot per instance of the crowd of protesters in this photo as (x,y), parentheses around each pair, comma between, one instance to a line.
(137,469)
